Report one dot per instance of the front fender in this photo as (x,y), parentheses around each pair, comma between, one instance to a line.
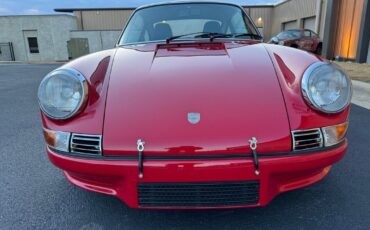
(290,65)
(95,68)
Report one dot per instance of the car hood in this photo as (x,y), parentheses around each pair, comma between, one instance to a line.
(233,88)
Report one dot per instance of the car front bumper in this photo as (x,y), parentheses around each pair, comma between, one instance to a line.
(119,177)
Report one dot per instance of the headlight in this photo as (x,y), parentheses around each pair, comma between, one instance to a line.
(326,87)
(62,93)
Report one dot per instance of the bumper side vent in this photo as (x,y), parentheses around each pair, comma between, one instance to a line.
(307,139)
(86,144)
(217,194)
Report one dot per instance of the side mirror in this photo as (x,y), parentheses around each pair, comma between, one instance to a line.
(275,40)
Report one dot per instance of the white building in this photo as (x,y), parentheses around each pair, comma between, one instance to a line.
(36,38)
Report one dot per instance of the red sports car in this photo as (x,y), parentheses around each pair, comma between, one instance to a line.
(299,38)
(192,110)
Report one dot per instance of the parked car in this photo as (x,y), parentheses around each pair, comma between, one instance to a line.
(192,110)
(299,38)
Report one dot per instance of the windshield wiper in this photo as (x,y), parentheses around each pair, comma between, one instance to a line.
(184,35)
(249,35)
(198,35)
(212,36)
(235,36)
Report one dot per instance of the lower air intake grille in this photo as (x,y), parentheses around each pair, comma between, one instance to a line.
(307,139)
(198,194)
(86,144)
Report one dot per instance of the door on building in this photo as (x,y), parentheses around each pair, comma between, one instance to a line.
(6,52)
(290,25)
(78,47)
(309,23)
(32,45)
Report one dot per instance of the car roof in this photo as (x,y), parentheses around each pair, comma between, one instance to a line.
(293,30)
(297,30)
(186,2)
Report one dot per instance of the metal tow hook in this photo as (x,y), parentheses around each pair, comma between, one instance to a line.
(140,149)
(253,146)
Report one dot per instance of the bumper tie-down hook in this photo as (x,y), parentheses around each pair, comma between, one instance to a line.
(253,146)
(140,148)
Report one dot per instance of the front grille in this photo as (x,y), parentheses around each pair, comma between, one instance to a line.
(307,139)
(85,144)
(206,194)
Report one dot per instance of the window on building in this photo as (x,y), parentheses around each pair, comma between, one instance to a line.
(33,45)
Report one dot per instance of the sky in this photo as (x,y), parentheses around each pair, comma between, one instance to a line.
(29,7)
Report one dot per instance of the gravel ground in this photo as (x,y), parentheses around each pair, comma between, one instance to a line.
(359,72)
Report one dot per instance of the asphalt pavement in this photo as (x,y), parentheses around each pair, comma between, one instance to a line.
(35,195)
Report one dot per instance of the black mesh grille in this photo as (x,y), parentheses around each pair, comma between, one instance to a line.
(198,194)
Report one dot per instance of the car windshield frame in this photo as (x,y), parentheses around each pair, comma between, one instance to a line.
(244,14)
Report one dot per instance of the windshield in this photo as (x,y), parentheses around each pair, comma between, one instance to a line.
(289,34)
(161,22)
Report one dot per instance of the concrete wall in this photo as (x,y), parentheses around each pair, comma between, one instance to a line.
(98,40)
(52,33)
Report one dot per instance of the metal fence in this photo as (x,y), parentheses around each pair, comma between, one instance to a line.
(6,51)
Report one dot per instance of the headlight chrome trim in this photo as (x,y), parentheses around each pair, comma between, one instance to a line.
(85,92)
(305,87)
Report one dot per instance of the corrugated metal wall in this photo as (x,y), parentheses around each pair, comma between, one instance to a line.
(272,17)
(292,10)
(265,13)
(116,19)
(102,20)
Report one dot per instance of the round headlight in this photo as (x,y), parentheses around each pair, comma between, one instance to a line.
(326,87)
(62,93)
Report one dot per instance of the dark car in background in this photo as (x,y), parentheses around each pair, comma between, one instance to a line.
(303,39)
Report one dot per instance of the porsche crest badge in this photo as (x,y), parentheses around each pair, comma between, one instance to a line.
(193,118)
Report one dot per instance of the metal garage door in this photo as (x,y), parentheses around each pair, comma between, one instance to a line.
(290,25)
(77,47)
(309,23)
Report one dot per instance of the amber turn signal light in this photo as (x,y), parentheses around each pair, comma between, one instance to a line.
(57,139)
(334,134)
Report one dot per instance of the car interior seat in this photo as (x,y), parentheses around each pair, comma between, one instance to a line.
(212,27)
(162,31)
